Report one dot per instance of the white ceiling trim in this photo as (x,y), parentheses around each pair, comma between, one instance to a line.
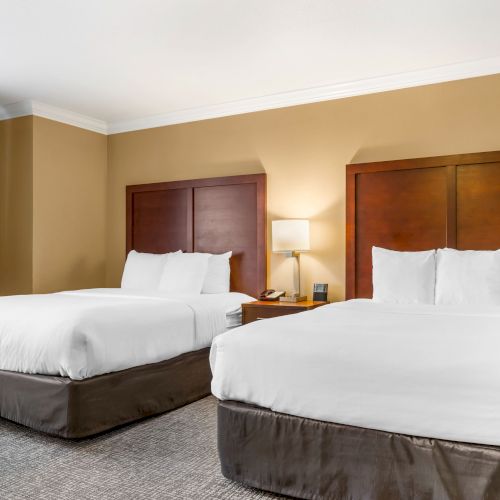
(15,110)
(35,108)
(69,117)
(440,74)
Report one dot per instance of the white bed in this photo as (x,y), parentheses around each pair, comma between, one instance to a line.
(86,333)
(422,370)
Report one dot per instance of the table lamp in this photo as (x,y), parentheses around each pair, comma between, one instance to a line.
(291,236)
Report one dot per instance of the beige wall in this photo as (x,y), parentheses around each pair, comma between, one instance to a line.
(304,151)
(62,189)
(16,205)
(52,206)
(69,207)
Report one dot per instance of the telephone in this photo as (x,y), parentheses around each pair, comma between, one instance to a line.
(271,295)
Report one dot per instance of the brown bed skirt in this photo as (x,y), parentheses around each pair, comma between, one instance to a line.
(80,408)
(311,459)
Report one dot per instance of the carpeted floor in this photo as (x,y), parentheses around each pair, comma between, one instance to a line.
(173,456)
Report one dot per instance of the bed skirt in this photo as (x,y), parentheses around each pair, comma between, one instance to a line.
(80,408)
(311,459)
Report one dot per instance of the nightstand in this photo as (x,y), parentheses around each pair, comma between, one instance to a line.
(261,309)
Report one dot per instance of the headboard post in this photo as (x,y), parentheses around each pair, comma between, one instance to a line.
(212,215)
(451,215)
(419,204)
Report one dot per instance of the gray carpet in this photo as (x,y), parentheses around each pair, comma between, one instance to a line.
(170,456)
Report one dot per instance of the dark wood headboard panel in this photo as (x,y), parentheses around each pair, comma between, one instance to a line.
(204,215)
(419,204)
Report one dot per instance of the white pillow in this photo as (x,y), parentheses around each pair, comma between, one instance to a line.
(218,274)
(468,277)
(184,273)
(403,277)
(143,271)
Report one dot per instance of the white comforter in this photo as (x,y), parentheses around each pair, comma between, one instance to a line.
(431,371)
(90,332)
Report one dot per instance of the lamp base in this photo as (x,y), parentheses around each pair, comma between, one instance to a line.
(293,298)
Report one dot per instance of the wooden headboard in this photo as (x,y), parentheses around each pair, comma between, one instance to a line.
(204,215)
(420,204)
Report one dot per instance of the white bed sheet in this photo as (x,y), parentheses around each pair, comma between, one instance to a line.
(423,370)
(85,333)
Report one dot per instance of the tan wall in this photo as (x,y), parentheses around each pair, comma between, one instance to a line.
(53,201)
(69,205)
(16,190)
(304,151)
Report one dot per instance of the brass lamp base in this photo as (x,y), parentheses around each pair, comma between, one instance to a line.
(293,298)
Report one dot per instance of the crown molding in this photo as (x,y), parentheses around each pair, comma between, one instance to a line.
(439,74)
(460,71)
(69,117)
(35,108)
(15,110)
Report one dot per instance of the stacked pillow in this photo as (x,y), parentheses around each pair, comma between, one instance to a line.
(444,277)
(177,272)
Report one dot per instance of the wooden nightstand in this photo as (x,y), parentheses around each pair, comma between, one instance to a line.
(261,309)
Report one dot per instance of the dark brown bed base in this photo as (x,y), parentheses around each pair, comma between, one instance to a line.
(307,458)
(79,408)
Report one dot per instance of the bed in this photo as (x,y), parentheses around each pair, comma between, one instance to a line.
(371,400)
(78,363)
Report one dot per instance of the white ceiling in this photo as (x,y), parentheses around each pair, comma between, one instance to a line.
(120,61)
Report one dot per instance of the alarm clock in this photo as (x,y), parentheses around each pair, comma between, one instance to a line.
(320,292)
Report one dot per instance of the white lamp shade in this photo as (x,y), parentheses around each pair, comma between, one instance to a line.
(290,235)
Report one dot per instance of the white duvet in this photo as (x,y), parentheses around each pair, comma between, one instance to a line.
(90,332)
(431,371)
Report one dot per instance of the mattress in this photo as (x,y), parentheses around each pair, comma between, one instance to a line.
(85,333)
(429,371)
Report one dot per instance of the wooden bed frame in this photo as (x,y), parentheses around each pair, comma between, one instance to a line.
(419,204)
(415,204)
(211,215)
(203,215)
